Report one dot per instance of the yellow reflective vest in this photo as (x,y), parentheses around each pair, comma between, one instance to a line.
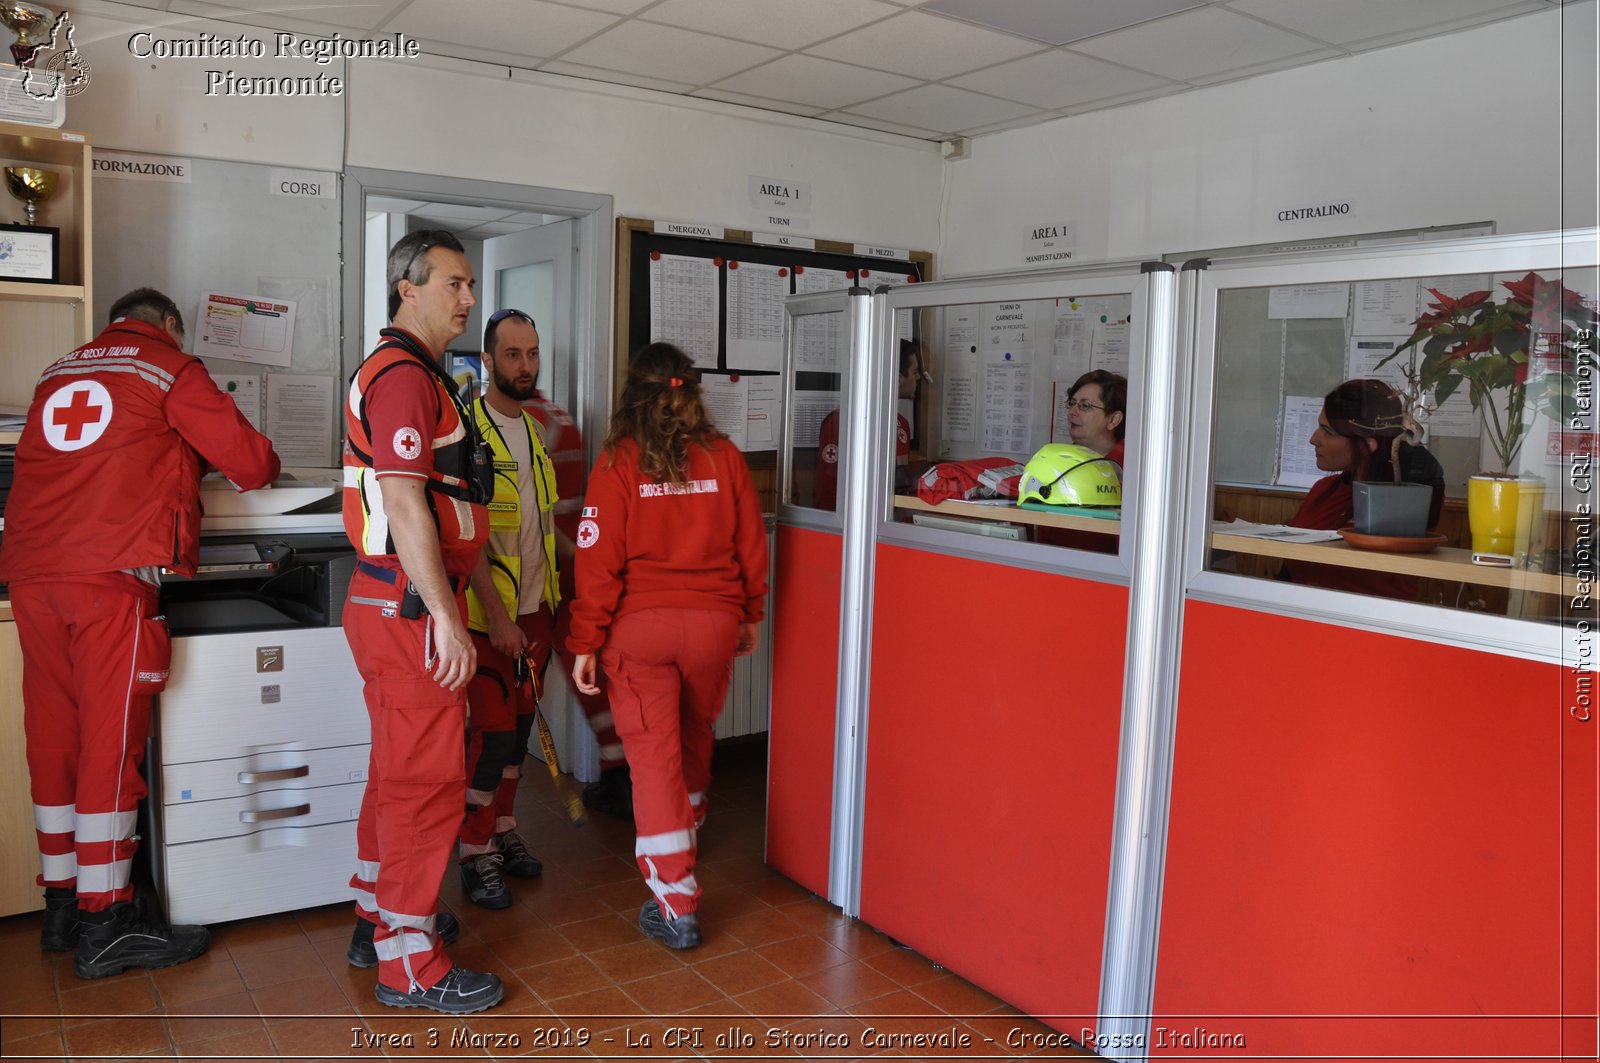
(505,516)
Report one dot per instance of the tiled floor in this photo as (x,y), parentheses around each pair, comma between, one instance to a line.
(781,973)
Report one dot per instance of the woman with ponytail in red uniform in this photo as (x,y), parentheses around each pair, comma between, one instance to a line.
(671,582)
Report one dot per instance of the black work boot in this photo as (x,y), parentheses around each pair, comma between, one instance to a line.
(363,953)
(111,941)
(612,793)
(518,859)
(680,932)
(459,992)
(60,931)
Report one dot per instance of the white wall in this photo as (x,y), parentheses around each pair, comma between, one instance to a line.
(1468,127)
(658,155)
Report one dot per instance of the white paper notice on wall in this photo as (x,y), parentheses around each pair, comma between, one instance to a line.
(755,319)
(244,328)
(300,418)
(1297,461)
(684,304)
(1049,243)
(727,401)
(765,408)
(1308,301)
(245,391)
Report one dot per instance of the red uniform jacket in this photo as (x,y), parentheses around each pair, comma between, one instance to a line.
(701,544)
(109,464)
(826,485)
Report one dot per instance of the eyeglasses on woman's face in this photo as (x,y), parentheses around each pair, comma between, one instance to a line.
(1083,404)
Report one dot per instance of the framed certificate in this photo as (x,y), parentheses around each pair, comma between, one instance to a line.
(30,253)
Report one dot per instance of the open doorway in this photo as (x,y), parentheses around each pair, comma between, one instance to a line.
(540,250)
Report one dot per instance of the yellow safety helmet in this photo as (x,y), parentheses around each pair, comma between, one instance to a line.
(1065,474)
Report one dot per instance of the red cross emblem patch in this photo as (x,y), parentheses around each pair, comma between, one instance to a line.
(408,443)
(77,415)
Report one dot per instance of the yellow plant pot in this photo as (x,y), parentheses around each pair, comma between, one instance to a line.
(1502,513)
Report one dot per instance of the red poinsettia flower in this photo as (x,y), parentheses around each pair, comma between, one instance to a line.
(1470,347)
(1522,290)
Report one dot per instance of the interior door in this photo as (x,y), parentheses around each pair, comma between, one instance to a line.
(532,271)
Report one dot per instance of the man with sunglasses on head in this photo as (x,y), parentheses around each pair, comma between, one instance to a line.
(416,483)
(107,493)
(511,604)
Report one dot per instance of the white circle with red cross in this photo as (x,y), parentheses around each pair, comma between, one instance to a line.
(588,534)
(408,443)
(830,454)
(77,415)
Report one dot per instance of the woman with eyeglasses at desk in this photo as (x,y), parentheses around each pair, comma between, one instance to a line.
(1097,412)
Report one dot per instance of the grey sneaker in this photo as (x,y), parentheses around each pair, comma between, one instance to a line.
(518,860)
(682,932)
(363,953)
(459,992)
(480,878)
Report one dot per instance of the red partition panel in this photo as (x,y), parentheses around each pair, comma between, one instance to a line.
(1366,850)
(805,684)
(991,773)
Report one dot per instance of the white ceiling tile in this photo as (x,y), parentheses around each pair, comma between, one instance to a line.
(466,213)
(924,46)
(1171,87)
(616,7)
(1355,20)
(613,77)
(391,205)
(1053,22)
(531,28)
(669,53)
(759,102)
(1195,44)
(779,23)
(819,82)
(352,14)
(942,108)
(1304,59)
(1057,80)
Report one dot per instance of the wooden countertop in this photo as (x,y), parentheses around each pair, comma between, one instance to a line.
(1445,563)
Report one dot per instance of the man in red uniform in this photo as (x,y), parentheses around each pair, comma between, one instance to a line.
(416,480)
(825,488)
(612,793)
(106,493)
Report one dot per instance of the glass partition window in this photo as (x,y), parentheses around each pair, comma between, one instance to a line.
(1011,418)
(821,345)
(1423,439)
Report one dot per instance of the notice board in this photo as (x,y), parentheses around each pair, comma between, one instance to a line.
(720,298)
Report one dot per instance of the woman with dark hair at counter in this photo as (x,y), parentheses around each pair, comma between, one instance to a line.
(1354,440)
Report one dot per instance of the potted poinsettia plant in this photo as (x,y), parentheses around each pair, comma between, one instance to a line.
(1518,356)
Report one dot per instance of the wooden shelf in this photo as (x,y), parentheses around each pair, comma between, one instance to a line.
(22,291)
(1445,563)
(954,508)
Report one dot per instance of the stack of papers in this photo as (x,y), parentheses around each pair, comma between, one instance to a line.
(1281,532)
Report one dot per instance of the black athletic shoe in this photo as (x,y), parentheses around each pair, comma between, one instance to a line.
(612,793)
(481,881)
(460,992)
(60,931)
(680,933)
(518,860)
(111,941)
(363,953)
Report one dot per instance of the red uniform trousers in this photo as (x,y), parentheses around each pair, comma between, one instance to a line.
(668,672)
(411,810)
(596,707)
(86,725)
(500,719)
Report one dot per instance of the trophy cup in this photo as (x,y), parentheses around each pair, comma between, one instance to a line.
(32,186)
(31,23)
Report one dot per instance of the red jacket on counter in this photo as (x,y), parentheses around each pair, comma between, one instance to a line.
(109,464)
(701,544)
